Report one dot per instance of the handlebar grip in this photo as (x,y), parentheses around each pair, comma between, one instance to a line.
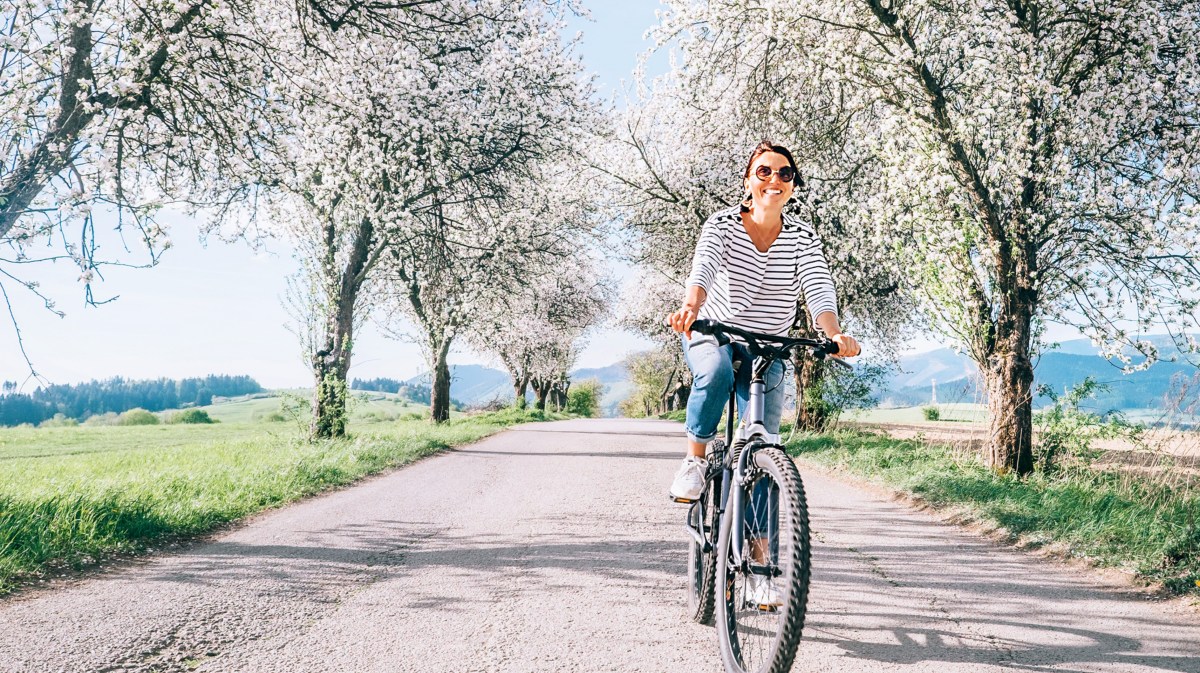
(706,326)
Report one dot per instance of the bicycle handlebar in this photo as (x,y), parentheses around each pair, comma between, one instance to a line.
(819,347)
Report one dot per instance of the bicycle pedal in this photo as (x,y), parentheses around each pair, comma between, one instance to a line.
(684,501)
(764,608)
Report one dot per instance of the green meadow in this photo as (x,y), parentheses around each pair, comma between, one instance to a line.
(70,497)
(951,412)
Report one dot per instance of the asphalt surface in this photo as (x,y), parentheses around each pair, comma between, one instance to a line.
(552,547)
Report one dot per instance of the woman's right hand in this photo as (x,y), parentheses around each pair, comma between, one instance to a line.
(681,320)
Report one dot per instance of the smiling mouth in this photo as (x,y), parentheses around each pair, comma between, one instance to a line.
(772,191)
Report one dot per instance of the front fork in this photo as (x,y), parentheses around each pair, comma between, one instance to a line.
(749,434)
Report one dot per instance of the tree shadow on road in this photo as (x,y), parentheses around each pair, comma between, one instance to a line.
(902,590)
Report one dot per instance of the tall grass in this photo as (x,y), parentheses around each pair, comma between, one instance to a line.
(1149,528)
(72,496)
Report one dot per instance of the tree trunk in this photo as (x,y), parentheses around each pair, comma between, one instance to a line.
(520,385)
(682,393)
(1009,376)
(439,391)
(812,414)
(564,390)
(541,388)
(329,399)
(330,367)
(331,364)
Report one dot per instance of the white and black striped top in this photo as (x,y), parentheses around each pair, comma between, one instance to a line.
(757,291)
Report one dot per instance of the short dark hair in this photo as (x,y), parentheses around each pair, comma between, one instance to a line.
(768,146)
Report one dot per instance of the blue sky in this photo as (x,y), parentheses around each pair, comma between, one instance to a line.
(216,307)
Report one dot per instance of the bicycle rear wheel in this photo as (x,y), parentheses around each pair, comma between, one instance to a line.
(702,565)
(761,612)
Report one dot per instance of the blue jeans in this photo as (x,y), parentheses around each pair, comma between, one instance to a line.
(713,377)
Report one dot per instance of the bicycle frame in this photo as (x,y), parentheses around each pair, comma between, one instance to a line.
(751,433)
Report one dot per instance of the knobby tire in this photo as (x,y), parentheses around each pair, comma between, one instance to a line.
(788,622)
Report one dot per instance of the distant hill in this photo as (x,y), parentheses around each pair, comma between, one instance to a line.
(958,380)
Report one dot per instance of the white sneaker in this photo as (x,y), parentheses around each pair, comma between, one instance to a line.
(689,480)
(761,592)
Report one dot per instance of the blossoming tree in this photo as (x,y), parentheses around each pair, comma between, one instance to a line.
(538,330)
(111,109)
(468,268)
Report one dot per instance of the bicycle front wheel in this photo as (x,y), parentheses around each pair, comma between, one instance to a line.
(765,595)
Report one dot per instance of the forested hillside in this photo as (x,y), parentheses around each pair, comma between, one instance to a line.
(420,393)
(82,400)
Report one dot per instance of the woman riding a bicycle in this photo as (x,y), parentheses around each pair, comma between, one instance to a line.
(751,263)
(750,266)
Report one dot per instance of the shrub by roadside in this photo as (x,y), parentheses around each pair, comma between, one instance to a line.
(137,416)
(584,398)
(59,421)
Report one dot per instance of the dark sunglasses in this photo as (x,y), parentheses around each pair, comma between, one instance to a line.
(787,173)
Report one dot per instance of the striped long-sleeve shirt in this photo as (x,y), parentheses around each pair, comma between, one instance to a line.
(757,291)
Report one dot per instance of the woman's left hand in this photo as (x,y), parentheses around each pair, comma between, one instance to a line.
(847,346)
(827,322)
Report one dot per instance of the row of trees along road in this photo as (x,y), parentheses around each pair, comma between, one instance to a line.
(392,144)
(491,270)
(1020,162)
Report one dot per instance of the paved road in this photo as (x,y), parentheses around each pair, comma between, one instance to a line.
(552,548)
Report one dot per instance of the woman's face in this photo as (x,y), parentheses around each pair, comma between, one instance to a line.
(771,193)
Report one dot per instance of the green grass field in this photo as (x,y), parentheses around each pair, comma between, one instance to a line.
(364,406)
(950,413)
(70,497)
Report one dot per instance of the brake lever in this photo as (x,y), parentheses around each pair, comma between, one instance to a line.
(840,362)
(824,354)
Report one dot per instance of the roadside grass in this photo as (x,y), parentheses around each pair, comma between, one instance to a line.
(1150,530)
(72,497)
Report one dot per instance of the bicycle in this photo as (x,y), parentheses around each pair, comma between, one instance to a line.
(770,543)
